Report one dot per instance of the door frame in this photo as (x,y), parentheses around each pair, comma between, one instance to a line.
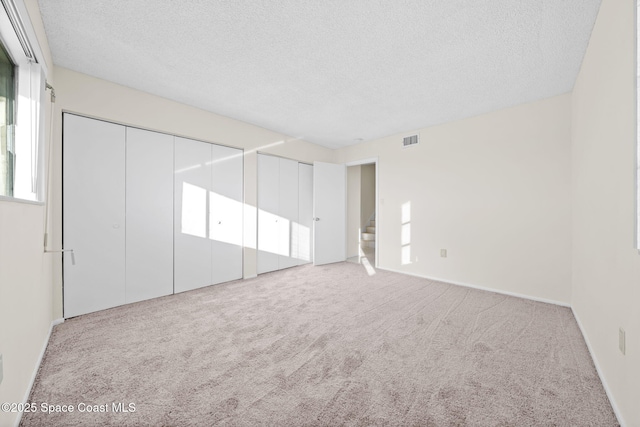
(368,161)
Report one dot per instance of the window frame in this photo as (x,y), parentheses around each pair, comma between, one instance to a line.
(637,122)
(21,44)
(10,136)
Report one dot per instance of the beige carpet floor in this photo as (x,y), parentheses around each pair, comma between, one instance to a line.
(323,346)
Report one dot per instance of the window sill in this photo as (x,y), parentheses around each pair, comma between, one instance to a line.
(24,201)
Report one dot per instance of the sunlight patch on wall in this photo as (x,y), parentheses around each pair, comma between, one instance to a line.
(405,234)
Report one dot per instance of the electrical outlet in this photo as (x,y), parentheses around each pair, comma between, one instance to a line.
(443,253)
(1,369)
(622,345)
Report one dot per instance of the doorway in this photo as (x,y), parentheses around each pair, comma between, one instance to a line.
(362,236)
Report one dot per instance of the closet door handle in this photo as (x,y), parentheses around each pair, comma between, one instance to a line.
(73,256)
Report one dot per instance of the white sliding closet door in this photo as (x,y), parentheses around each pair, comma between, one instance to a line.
(288,213)
(146,214)
(93,215)
(225,213)
(149,209)
(192,247)
(305,213)
(285,206)
(268,209)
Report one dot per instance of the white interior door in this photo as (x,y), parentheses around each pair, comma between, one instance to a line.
(268,213)
(149,223)
(288,213)
(305,213)
(329,211)
(93,215)
(225,214)
(192,247)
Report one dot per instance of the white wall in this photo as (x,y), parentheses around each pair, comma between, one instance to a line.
(605,264)
(25,280)
(353,210)
(493,190)
(25,298)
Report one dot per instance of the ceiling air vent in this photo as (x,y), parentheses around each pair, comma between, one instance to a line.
(409,141)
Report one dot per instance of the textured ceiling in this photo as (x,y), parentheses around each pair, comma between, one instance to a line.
(333,71)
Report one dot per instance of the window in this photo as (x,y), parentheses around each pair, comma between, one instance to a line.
(637,126)
(7,108)
(22,88)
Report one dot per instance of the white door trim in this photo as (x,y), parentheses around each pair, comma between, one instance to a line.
(362,162)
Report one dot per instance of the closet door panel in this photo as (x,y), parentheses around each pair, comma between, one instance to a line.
(192,247)
(268,213)
(225,213)
(305,213)
(149,198)
(93,215)
(288,212)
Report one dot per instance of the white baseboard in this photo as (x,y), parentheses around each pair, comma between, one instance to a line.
(37,367)
(607,390)
(482,288)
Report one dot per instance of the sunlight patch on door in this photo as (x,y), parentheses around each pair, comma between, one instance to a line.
(225,219)
(300,242)
(207,214)
(194,210)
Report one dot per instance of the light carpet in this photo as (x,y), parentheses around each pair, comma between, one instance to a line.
(323,346)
